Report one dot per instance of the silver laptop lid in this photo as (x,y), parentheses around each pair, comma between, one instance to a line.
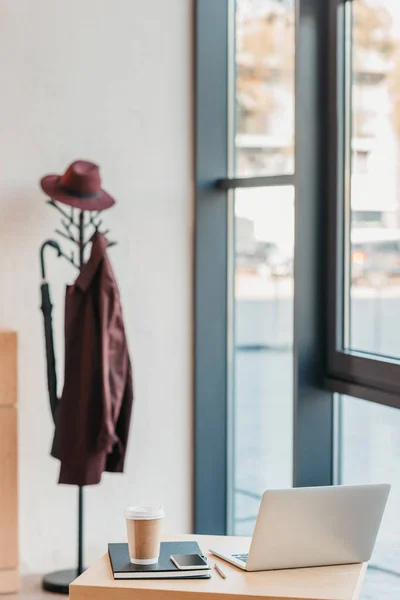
(317,526)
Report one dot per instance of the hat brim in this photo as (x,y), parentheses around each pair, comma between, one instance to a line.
(51,186)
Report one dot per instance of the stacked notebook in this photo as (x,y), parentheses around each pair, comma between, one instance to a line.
(164,569)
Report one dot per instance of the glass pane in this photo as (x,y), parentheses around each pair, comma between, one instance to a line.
(370,453)
(263,406)
(264,87)
(374,156)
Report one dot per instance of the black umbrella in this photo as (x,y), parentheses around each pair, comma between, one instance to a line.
(47,309)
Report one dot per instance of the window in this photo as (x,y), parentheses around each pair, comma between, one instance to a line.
(370,453)
(264,87)
(263,333)
(363,261)
(263,251)
(364,348)
(260,409)
(297,285)
(297,281)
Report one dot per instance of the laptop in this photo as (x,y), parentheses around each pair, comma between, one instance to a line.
(311,527)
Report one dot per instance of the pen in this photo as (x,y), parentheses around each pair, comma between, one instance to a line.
(220,571)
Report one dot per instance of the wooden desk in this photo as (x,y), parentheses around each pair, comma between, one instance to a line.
(321,583)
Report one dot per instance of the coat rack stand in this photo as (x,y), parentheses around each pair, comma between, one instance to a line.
(75,231)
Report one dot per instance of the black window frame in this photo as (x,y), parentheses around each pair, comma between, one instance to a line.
(349,372)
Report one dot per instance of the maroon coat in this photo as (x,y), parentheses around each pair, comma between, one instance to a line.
(93,416)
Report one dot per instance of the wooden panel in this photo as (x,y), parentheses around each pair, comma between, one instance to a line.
(8,463)
(8,367)
(9,581)
(340,582)
(8,488)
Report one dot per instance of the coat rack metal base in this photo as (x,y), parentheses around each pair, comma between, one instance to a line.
(59,581)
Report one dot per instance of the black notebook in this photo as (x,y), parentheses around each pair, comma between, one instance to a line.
(164,569)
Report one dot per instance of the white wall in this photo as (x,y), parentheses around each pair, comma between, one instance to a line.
(108,81)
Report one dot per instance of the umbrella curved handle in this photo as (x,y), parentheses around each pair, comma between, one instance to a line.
(52,244)
(47,309)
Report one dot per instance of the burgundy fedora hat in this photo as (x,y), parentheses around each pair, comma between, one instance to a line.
(80,187)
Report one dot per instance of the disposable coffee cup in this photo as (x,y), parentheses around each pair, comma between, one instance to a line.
(143,526)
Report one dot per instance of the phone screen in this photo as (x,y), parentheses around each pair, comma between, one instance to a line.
(189,560)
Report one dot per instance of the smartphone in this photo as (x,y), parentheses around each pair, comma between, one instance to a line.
(188,562)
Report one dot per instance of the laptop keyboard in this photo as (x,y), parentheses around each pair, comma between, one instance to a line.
(242,557)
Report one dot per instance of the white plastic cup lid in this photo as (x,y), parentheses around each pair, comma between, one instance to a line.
(142,513)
